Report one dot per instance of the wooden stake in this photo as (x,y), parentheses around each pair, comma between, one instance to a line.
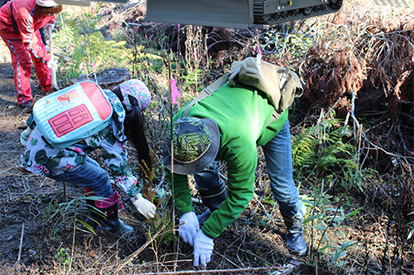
(172,152)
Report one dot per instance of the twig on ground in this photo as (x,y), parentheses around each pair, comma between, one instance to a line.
(136,253)
(259,202)
(20,246)
(226,259)
(251,270)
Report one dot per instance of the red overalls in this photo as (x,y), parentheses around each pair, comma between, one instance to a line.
(25,44)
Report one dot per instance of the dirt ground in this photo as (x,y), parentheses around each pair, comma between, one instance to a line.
(21,192)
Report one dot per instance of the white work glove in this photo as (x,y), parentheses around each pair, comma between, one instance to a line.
(24,136)
(50,26)
(189,229)
(52,64)
(144,206)
(203,249)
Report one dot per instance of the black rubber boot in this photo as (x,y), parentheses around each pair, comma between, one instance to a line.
(203,217)
(294,238)
(112,223)
(212,199)
(104,215)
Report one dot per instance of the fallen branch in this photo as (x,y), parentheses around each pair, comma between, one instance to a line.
(251,270)
(358,126)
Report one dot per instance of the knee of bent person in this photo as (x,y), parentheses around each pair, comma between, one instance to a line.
(102,186)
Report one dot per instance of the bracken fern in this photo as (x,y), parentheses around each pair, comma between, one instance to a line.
(321,152)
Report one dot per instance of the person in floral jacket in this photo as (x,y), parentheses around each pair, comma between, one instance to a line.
(73,165)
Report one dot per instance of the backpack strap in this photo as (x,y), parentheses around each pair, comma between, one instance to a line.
(214,87)
(208,91)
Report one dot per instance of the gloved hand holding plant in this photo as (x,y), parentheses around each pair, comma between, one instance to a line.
(144,206)
(129,186)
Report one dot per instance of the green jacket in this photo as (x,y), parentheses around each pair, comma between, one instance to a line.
(242,115)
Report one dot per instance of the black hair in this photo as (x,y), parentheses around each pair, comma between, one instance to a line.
(134,128)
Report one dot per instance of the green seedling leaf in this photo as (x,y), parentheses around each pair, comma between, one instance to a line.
(353,213)
(92,198)
(68,204)
(88,227)
(319,227)
(331,209)
(326,240)
(323,248)
(312,218)
(309,202)
(52,216)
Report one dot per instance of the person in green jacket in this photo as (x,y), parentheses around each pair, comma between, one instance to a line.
(250,110)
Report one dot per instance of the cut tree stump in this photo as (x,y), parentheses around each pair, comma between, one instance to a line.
(107,79)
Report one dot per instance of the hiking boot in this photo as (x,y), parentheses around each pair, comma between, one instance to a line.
(296,243)
(294,238)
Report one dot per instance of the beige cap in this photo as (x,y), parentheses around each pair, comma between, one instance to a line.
(46,3)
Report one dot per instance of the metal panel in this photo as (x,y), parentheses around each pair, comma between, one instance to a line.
(221,13)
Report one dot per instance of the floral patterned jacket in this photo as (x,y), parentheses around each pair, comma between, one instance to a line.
(42,158)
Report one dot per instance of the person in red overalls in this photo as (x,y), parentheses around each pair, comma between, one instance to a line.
(20,21)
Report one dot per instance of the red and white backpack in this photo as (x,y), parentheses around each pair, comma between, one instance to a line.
(72,114)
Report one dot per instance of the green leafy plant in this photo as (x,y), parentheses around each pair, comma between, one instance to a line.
(63,255)
(89,51)
(326,222)
(71,212)
(322,152)
(325,162)
(76,212)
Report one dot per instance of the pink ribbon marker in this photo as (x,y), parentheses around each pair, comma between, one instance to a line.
(259,53)
(175,93)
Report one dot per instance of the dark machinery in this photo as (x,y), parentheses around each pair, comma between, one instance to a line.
(229,13)
(236,13)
